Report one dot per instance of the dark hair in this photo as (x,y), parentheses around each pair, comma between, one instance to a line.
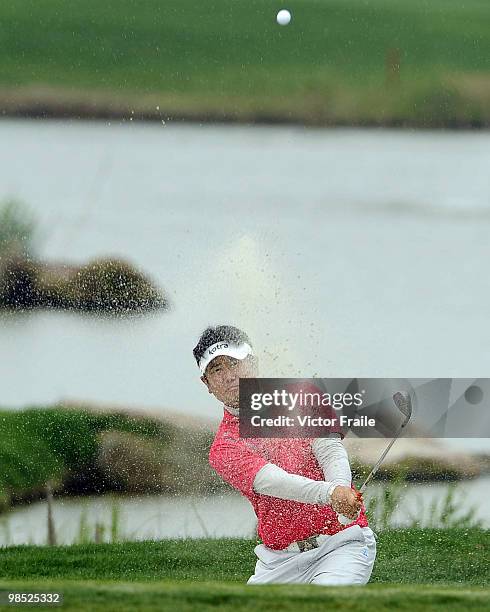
(220,333)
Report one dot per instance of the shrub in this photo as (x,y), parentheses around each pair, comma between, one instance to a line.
(112,285)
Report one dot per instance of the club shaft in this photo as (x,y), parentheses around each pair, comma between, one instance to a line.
(380,460)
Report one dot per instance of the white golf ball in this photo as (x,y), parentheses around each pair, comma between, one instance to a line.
(283,17)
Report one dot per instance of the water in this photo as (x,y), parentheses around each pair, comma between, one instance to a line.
(343,252)
(140,518)
(159,517)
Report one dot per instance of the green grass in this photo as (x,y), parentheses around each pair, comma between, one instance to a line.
(38,445)
(409,556)
(166,595)
(231,60)
(415,570)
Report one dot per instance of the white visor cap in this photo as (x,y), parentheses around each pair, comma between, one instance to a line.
(238,351)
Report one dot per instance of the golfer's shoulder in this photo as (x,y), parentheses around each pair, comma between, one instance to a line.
(228,433)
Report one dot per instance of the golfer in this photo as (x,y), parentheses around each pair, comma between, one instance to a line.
(298,487)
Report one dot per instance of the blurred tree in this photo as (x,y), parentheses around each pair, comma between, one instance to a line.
(17,230)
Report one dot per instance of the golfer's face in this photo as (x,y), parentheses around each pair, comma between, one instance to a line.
(223,375)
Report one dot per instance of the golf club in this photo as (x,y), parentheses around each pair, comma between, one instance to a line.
(404,404)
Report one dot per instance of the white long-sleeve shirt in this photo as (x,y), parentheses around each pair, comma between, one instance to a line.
(332,457)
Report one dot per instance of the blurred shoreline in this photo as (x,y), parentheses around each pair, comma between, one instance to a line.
(61,104)
(102,109)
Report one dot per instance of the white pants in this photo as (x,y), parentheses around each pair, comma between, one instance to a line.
(344,558)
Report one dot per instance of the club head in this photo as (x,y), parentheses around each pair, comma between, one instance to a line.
(404,404)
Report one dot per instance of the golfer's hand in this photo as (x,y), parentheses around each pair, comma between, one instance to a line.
(346,501)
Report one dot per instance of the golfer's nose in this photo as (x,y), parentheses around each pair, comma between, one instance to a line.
(230,375)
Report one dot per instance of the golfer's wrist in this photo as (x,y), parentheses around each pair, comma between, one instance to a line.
(330,489)
(326,491)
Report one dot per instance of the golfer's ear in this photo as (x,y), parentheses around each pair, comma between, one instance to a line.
(205,381)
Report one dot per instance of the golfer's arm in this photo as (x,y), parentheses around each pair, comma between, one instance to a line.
(276,482)
(332,457)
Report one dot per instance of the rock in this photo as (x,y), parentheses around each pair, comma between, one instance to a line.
(178,464)
(131,463)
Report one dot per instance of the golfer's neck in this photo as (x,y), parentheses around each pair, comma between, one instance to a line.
(233,411)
